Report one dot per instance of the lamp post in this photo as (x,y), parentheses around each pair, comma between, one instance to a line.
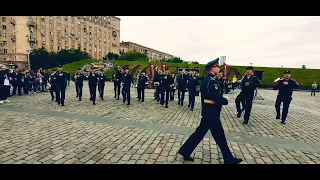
(251,64)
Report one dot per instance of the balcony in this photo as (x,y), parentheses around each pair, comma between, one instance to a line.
(31,23)
(13,37)
(13,21)
(114,33)
(32,40)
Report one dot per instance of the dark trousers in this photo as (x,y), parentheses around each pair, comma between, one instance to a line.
(285,107)
(141,93)
(213,124)
(4,92)
(93,92)
(15,87)
(116,89)
(165,91)
(248,98)
(60,95)
(313,91)
(43,85)
(126,94)
(192,97)
(240,99)
(52,92)
(158,93)
(181,93)
(101,90)
(79,87)
(172,94)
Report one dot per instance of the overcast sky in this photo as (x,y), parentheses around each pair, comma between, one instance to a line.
(263,41)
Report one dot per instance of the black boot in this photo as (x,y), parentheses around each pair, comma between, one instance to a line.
(186,158)
(233,161)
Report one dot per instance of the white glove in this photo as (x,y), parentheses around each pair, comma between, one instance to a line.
(227,98)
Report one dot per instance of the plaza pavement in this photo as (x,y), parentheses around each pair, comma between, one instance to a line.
(35,130)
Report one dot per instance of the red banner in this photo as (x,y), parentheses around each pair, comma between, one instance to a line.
(152,71)
(163,67)
(225,70)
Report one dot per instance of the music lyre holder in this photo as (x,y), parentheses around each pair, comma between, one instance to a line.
(257,95)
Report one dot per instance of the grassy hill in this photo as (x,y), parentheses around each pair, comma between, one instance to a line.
(305,77)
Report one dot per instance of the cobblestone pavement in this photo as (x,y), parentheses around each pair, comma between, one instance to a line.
(30,137)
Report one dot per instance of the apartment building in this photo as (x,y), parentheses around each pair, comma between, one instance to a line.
(96,35)
(154,55)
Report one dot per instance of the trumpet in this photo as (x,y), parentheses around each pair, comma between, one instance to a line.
(277,80)
(158,70)
(119,68)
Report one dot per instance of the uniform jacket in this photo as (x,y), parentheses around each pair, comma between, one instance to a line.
(61,79)
(93,79)
(286,90)
(253,84)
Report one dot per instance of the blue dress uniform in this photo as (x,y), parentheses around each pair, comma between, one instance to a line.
(92,82)
(182,84)
(193,82)
(78,80)
(284,96)
(247,94)
(101,83)
(127,80)
(61,85)
(167,83)
(211,101)
(116,78)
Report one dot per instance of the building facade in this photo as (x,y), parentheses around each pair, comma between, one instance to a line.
(153,55)
(96,35)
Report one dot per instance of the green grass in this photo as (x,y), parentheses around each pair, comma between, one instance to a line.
(305,77)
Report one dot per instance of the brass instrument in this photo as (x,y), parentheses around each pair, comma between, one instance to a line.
(119,68)
(277,80)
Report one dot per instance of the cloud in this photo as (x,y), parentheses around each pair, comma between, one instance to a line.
(263,41)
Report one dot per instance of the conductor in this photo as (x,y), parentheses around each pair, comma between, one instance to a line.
(211,101)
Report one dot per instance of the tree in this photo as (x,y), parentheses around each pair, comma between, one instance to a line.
(134,56)
(173,60)
(111,56)
(40,58)
(303,66)
(195,62)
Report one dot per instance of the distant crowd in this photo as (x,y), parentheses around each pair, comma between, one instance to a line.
(19,81)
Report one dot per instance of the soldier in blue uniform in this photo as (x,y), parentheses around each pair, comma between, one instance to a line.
(211,101)
(167,83)
(285,86)
(182,82)
(116,78)
(78,80)
(101,83)
(92,82)
(193,82)
(127,80)
(249,83)
(61,84)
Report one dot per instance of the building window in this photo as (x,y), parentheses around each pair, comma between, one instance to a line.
(59,28)
(4,35)
(5,51)
(59,48)
(4,27)
(4,19)
(51,41)
(51,47)
(32,45)
(4,43)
